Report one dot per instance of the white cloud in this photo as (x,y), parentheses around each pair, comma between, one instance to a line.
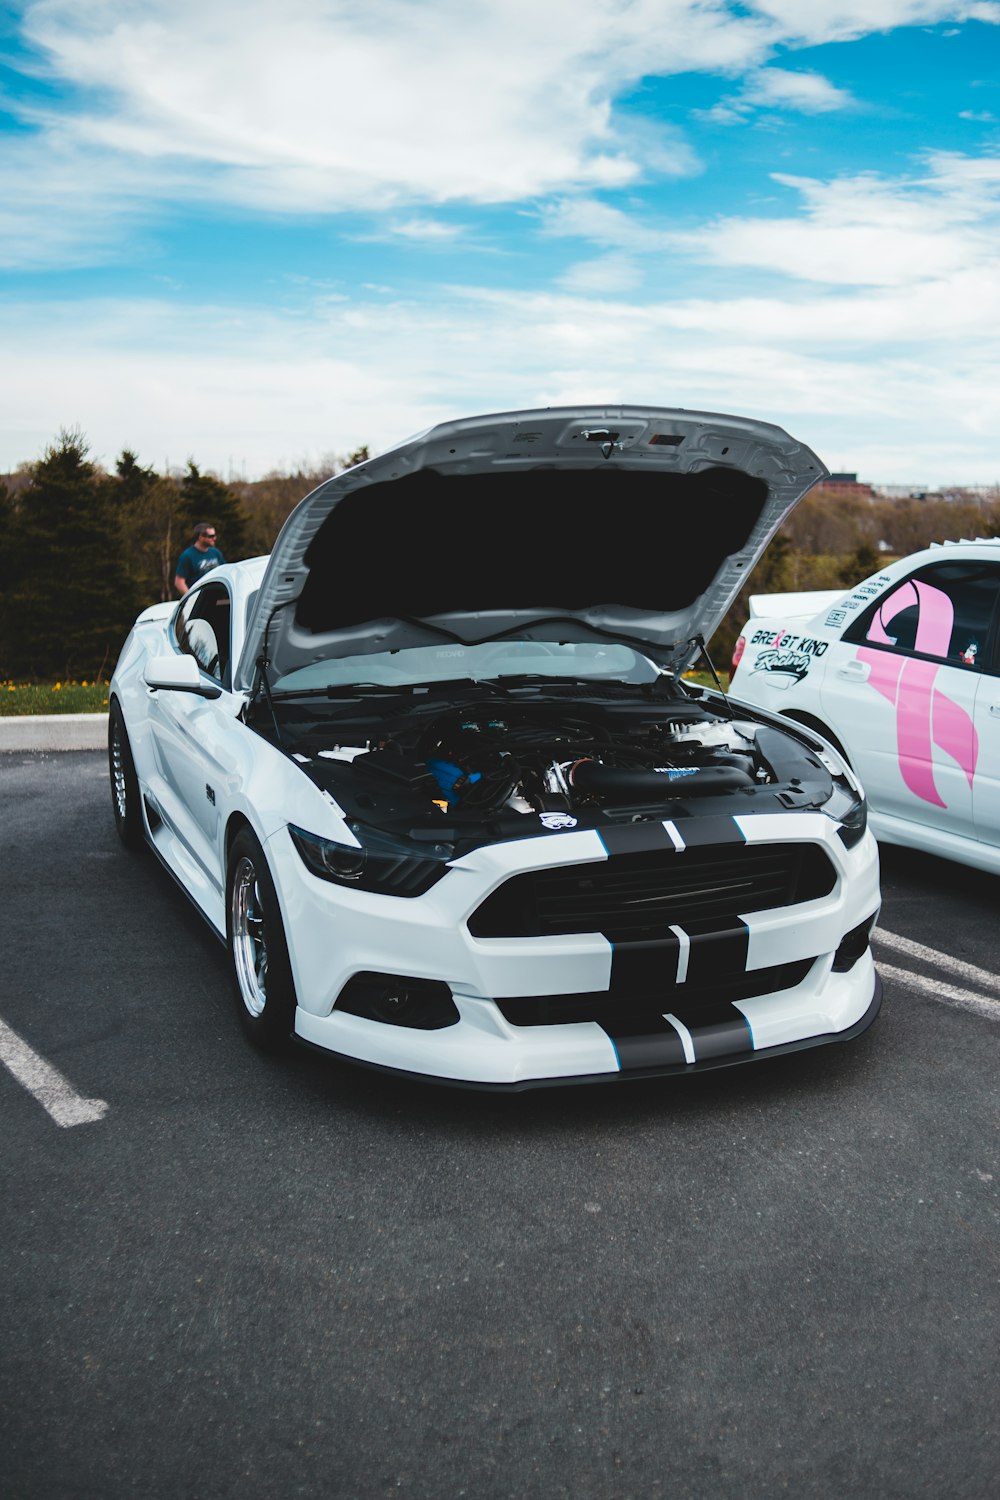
(872,333)
(57,211)
(601,223)
(323,106)
(779,88)
(903,385)
(329,105)
(840,20)
(809,92)
(865,231)
(607,274)
(429,230)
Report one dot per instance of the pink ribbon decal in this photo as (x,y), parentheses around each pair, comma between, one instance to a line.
(924,715)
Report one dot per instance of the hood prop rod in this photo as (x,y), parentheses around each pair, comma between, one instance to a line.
(262,664)
(699,641)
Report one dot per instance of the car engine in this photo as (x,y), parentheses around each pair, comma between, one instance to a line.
(484,759)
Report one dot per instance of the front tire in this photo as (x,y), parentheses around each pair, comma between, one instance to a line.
(258,952)
(125,795)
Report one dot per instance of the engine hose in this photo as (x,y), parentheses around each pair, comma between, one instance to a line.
(629,782)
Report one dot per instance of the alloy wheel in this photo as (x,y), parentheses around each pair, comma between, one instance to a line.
(248,937)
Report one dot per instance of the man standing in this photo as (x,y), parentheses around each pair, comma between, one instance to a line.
(197,559)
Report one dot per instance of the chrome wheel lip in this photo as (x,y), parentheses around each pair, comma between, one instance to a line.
(249,941)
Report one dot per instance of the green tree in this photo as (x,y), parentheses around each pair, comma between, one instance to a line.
(70,602)
(151,526)
(860,564)
(827,522)
(205,498)
(6,527)
(775,572)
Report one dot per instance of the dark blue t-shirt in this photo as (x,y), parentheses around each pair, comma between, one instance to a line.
(192,563)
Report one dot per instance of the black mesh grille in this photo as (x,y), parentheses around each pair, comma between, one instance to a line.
(638,896)
(554,1010)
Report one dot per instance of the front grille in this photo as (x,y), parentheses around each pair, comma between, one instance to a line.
(613,1012)
(638,896)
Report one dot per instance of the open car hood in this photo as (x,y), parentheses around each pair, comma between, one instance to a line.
(577,523)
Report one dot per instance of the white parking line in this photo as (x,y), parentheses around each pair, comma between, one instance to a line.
(968,972)
(948,994)
(963,999)
(49,1087)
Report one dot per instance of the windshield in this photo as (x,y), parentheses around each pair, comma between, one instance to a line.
(582,660)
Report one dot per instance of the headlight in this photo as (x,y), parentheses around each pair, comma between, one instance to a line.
(392,866)
(848,804)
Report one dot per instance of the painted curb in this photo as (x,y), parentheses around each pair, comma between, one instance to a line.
(54,732)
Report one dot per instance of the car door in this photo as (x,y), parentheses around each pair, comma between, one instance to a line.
(192,736)
(986,786)
(904,683)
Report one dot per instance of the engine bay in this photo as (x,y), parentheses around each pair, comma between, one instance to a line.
(471,757)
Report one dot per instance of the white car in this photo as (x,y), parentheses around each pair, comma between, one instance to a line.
(900,674)
(432,774)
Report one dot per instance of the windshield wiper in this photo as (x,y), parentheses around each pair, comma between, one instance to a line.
(507,680)
(346,690)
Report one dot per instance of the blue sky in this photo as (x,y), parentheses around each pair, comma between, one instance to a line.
(259,234)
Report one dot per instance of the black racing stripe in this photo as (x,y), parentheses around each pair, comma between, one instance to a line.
(718,829)
(716,1031)
(651,967)
(648,968)
(716,952)
(647,1043)
(633,838)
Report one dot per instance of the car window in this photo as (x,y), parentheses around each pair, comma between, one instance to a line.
(201,629)
(945,612)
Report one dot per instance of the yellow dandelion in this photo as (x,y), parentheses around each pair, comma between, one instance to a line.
(58,687)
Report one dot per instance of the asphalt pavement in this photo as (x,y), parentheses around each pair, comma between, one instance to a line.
(241,1277)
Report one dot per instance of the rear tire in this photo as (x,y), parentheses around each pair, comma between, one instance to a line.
(259,965)
(125,795)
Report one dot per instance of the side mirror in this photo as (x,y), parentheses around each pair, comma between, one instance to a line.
(178,674)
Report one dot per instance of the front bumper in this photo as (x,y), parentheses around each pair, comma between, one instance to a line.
(480,1054)
(335,934)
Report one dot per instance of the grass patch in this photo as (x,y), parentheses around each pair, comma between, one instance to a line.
(20,698)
